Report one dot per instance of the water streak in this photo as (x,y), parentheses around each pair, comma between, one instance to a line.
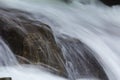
(7,58)
(97,26)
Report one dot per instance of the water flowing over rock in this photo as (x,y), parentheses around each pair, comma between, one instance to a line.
(31,40)
(6,56)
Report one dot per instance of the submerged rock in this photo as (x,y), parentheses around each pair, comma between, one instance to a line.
(67,1)
(80,61)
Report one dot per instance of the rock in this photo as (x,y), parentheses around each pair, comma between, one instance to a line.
(81,58)
(6,78)
(111,2)
(33,43)
(31,40)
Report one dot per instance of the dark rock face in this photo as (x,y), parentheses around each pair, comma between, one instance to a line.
(30,40)
(84,64)
(111,2)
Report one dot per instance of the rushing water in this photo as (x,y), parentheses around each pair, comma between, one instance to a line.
(91,22)
(6,56)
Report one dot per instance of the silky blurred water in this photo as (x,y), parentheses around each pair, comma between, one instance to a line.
(7,58)
(93,23)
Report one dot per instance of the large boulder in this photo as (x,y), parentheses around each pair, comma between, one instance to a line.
(31,41)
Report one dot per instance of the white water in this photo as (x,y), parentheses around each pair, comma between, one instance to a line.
(6,56)
(30,72)
(9,67)
(97,26)
(26,73)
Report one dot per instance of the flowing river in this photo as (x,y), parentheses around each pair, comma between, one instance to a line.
(89,21)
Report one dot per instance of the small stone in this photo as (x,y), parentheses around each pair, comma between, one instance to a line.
(6,78)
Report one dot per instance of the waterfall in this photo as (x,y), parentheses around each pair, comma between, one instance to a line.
(86,31)
(7,58)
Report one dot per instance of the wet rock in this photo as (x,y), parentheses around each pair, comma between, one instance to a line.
(31,40)
(6,78)
(33,43)
(111,2)
(80,59)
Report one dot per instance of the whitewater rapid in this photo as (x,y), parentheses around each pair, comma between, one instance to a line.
(96,25)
